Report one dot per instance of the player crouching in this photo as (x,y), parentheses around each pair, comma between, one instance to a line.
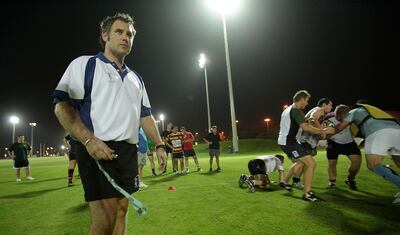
(259,169)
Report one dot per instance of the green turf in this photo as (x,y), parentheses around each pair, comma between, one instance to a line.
(204,203)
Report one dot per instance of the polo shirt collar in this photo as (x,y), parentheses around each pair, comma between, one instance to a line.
(122,72)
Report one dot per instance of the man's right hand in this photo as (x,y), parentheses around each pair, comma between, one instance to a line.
(329,131)
(99,150)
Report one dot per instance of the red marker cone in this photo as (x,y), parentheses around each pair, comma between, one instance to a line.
(171,188)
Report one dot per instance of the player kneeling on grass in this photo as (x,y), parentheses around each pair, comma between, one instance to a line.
(259,169)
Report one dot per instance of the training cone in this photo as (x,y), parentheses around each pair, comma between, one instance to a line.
(171,188)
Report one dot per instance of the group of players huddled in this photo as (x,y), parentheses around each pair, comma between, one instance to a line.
(300,134)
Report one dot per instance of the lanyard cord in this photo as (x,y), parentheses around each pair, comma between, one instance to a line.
(137,205)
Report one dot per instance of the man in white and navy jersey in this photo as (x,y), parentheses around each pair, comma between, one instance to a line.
(291,124)
(101,103)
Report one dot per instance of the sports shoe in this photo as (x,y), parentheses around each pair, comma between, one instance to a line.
(285,186)
(70,184)
(397,194)
(242,179)
(331,185)
(219,169)
(351,184)
(142,185)
(30,178)
(396,201)
(310,196)
(18,180)
(187,171)
(199,169)
(298,185)
(250,184)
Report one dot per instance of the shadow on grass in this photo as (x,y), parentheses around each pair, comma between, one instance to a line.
(344,207)
(35,181)
(164,179)
(30,194)
(210,173)
(78,208)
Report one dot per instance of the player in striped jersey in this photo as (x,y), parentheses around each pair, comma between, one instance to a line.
(176,140)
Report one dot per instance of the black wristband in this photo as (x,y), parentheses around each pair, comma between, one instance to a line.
(161,146)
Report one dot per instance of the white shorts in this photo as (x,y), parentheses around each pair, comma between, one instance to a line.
(142,158)
(383,142)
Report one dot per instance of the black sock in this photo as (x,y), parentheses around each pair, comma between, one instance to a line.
(70,175)
(153,170)
(296,180)
(332,181)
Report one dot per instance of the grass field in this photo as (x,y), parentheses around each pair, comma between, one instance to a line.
(204,203)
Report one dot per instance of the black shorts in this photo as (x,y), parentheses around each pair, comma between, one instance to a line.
(189,153)
(334,150)
(296,151)
(72,151)
(72,155)
(123,169)
(257,166)
(168,150)
(177,155)
(21,163)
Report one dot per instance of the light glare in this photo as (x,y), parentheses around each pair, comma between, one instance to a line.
(14,119)
(224,6)
(202,60)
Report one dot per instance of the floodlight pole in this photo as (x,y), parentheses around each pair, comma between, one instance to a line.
(231,99)
(208,99)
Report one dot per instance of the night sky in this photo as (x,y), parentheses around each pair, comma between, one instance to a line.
(345,50)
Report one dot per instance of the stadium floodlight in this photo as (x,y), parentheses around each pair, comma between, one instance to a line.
(202,64)
(14,120)
(224,7)
(267,120)
(202,61)
(32,125)
(162,117)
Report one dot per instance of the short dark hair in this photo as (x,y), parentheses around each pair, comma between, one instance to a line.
(341,110)
(280,157)
(19,135)
(107,22)
(300,95)
(323,101)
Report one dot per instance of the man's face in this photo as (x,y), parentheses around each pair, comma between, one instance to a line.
(120,38)
(303,102)
(214,130)
(169,126)
(21,138)
(183,130)
(175,129)
(327,107)
(341,117)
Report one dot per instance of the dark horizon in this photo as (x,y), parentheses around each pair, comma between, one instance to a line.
(344,50)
